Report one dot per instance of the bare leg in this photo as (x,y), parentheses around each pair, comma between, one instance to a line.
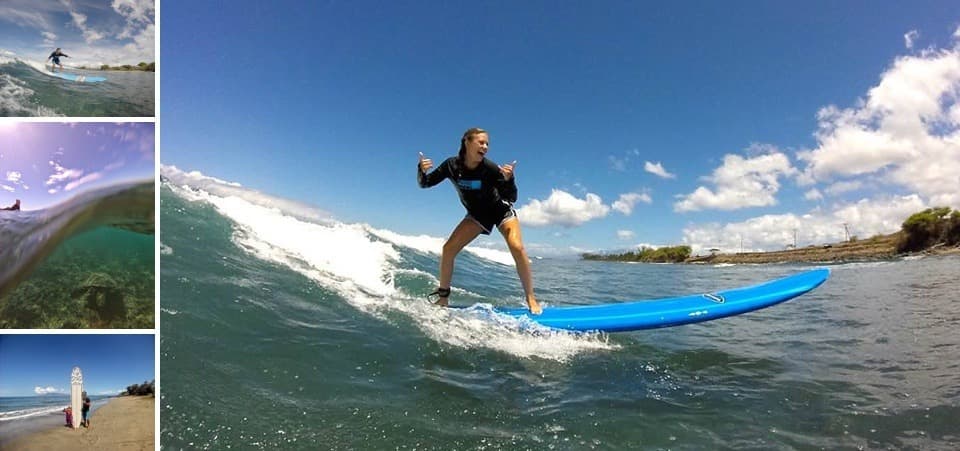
(462,235)
(511,232)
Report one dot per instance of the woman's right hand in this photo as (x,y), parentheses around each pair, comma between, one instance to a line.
(425,163)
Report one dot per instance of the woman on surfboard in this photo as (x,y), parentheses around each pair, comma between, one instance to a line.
(55,56)
(488,192)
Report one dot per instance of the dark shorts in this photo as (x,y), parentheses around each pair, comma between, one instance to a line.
(488,221)
(85,413)
(56,60)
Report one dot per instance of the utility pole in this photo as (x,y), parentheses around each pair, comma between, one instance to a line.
(846,232)
(794,237)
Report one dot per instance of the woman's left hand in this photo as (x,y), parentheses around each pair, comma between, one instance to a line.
(507,170)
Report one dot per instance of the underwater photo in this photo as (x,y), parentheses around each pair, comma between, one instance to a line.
(77,225)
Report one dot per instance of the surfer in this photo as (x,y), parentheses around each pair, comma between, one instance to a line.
(14,207)
(56,59)
(488,192)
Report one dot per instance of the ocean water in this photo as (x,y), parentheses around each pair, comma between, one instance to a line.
(24,91)
(281,330)
(88,262)
(21,415)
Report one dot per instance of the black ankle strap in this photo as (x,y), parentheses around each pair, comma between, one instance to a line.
(442,292)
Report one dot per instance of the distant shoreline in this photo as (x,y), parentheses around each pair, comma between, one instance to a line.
(881,247)
(142,67)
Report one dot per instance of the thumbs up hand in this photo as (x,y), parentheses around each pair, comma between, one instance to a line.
(507,170)
(425,163)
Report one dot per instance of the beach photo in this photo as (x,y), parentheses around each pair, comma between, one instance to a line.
(77,391)
(560,225)
(77,58)
(77,225)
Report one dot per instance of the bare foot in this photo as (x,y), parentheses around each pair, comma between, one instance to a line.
(442,302)
(534,306)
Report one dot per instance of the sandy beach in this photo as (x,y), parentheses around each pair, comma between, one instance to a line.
(125,423)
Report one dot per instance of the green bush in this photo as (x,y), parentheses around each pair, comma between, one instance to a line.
(929,227)
(668,254)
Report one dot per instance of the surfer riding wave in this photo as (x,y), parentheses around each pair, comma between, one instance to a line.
(488,192)
(55,56)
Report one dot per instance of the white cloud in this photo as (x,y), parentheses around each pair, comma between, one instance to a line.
(83,180)
(49,37)
(844,187)
(62,174)
(23,16)
(740,183)
(8,188)
(905,132)
(813,194)
(865,218)
(14,176)
(47,390)
(657,169)
(135,10)
(626,202)
(625,234)
(910,38)
(89,34)
(562,208)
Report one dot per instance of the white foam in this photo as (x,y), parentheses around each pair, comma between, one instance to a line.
(15,97)
(342,250)
(348,259)
(165,250)
(27,413)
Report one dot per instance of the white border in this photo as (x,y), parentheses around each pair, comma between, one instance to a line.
(155,119)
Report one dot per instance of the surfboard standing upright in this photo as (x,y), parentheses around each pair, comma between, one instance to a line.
(76,395)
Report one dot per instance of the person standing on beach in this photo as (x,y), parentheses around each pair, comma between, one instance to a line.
(488,192)
(86,412)
(14,207)
(55,56)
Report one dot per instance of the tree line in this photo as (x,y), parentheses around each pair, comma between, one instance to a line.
(666,254)
(928,228)
(146,388)
(146,67)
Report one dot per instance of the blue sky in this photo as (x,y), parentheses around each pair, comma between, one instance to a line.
(91,32)
(41,364)
(632,123)
(43,164)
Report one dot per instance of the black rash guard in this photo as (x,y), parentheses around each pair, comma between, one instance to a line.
(483,191)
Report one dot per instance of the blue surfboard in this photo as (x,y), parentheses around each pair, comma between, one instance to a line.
(675,311)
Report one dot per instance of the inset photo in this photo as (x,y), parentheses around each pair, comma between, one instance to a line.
(77,58)
(77,392)
(77,225)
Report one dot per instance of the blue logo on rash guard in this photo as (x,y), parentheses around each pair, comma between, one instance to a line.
(468,184)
